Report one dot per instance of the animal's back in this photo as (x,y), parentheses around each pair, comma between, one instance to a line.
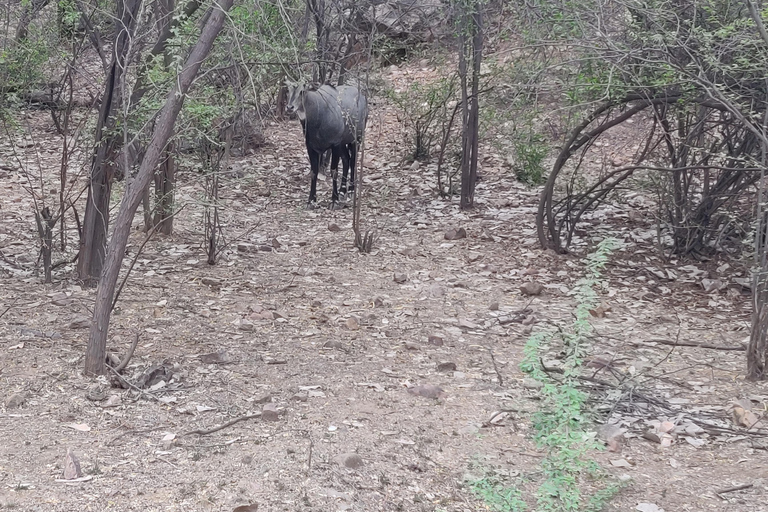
(324,125)
(354,108)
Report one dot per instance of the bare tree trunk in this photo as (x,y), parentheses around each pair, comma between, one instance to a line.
(93,241)
(97,340)
(45,224)
(28,13)
(165,180)
(472,34)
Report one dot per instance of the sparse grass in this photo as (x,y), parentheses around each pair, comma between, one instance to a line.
(562,425)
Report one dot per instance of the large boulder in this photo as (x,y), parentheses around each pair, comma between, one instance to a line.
(411,20)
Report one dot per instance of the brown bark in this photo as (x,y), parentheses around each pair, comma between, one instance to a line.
(470,133)
(96,221)
(164,126)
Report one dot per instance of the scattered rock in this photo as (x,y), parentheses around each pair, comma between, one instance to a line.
(446,366)
(270,413)
(16,400)
(211,281)
(352,323)
(246,247)
(378,302)
(532,288)
(300,397)
(264,399)
(411,346)
(71,466)
(455,234)
(220,357)
(712,285)
(474,256)
(81,322)
(435,340)
(612,435)
(333,227)
(266,248)
(529,320)
(246,508)
(245,325)
(349,460)
(333,344)
(400,277)
(494,306)
(427,391)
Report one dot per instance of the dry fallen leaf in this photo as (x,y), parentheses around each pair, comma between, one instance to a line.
(80,427)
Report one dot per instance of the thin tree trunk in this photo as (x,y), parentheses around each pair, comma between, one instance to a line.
(472,34)
(96,221)
(97,340)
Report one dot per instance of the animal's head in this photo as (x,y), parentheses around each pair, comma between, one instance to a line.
(295,102)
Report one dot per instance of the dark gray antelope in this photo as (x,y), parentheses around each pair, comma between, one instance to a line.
(332,118)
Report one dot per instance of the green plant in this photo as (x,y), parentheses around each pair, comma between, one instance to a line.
(497,496)
(561,425)
(530,152)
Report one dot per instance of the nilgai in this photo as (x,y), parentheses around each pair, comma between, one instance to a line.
(332,118)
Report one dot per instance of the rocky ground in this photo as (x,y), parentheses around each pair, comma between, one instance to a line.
(376,375)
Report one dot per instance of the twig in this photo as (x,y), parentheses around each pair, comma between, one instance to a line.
(696,345)
(225,425)
(9,307)
(495,366)
(732,489)
(130,384)
(120,367)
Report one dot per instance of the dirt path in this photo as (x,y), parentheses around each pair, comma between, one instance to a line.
(329,337)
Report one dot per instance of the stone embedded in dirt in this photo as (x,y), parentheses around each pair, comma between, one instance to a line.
(16,400)
(333,227)
(300,397)
(612,435)
(409,252)
(466,324)
(378,302)
(211,281)
(349,460)
(494,306)
(474,256)
(266,248)
(435,340)
(71,466)
(411,346)
(532,288)
(275,244)
(455,234)
(446,366)
(246,508)
(400,277)
(529,320)
(427,391)
(333,344)
(264,399)
(60,299)
(270,413)
(352,323)
(81,322)
(246,247)
(245,325)
(220,357)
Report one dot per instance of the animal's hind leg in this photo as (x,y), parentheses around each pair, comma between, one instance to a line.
(336,153)
(314,163)
(351,151)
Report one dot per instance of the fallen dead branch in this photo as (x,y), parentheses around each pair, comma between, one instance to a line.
(710,346)
(225,425)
